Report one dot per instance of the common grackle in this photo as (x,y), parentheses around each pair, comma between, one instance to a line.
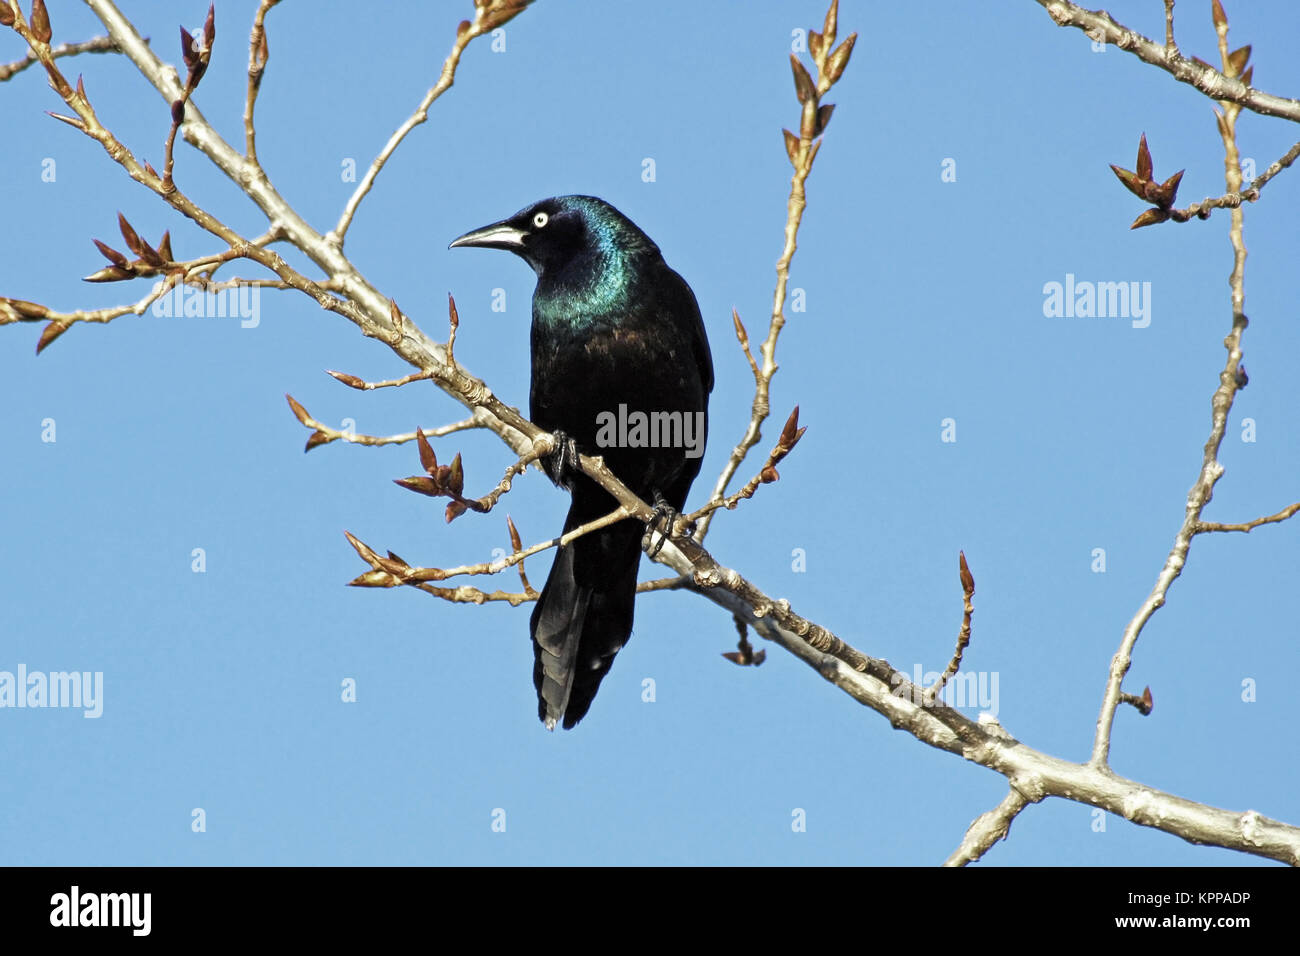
(620,368)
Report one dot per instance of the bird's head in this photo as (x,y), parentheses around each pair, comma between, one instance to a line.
(557,233)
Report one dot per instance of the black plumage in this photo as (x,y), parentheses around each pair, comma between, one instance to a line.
(617,339)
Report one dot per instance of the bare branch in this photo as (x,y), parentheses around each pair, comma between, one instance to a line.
(1202,526)
(323,434)
(365,306)
(394,572)
(1214,84)
(990,827)
(1232,200)
(353,382)
(790,436)
(1211,469)
(102,44)
(518,545)
(487,17)
(875,684)
(963,635)
(17,310)
(802,151)
(258,55)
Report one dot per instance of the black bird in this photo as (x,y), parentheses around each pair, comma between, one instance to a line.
(620,368)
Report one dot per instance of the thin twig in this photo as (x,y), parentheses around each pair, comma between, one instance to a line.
(963,635)
(1216,85)
(17,310)
(987,829)
(1211,469)
(1249,526)
(487,16)
(258,54)
(323,434)
(517,543)
(393,571)
(802,152)
(102,44)
(1233,200)
(353,381)
(790,436)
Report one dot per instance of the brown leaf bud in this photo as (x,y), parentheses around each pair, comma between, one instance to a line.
(30,310)
(1237,60)
(832,21)
(816,44)
(112,255)
(823,118)
(70,120)
(428,460)
(109,274)
(350,380)
(838,60)
(1220,18)
(1130,181)
(316,438)
(51,332)
(299,412)
(803,84)
(1150,218)
(791,146)
(456,475)
(132,239)
(741,334)
(188,53)
(40,22)
(788,432)
(420,484)
(1144,160)
(967,579)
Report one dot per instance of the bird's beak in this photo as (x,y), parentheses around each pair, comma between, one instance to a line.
(499,235)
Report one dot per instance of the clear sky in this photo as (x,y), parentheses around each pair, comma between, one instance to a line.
(924,302)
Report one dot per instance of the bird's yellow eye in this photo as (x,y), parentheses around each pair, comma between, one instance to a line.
(540,220)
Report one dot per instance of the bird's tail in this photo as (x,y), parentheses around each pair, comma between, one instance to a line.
(584,616)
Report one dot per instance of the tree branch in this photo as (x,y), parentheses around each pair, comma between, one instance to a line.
(487,16)
(1211,470)
(988,829)
(102,44)
(1249,525)
(1214,84)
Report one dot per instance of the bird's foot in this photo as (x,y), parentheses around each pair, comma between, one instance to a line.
(663,521)
(562,463)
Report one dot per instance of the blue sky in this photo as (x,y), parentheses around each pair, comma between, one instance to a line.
(924,301)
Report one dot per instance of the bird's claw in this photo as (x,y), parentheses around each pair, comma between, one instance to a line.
(562,463)
(663,521)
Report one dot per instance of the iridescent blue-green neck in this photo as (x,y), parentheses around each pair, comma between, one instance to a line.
(596,285)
